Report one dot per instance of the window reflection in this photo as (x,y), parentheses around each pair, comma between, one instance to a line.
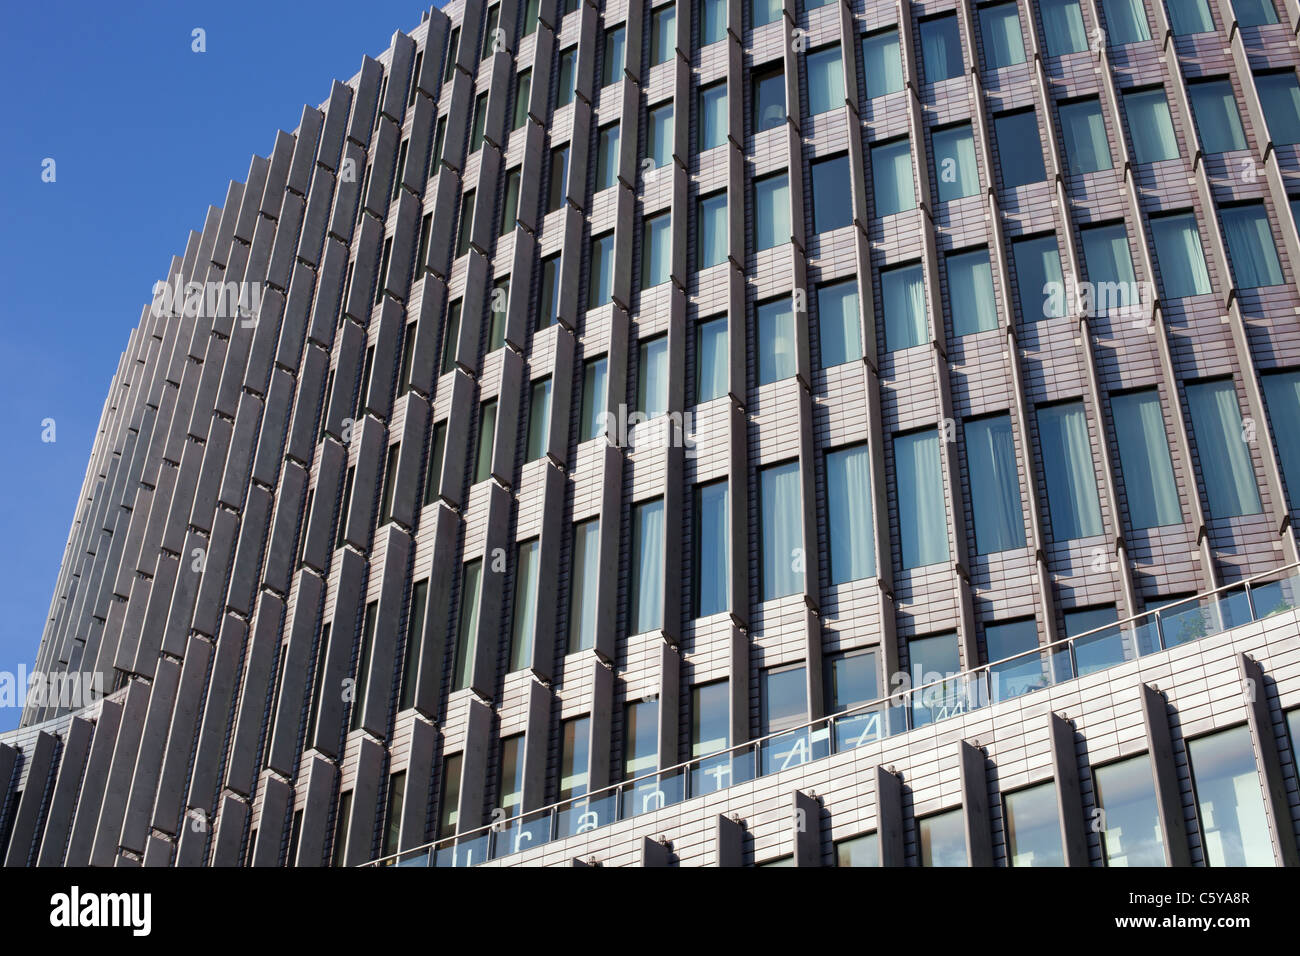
(943,839)
(1229,802)
(1033,827)
(1129,820)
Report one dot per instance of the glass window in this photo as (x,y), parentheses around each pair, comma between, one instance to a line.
(414,638)
(713,115)
(1251,247)
(781,530)
(527,568)
(710,718)
(891,177)
(1226,469)
(640,738)
(713,21)
(994,484)
(611,70)
(523,91)
(1038,274)
(858,851)
(970,292)
(659,134)
(549,301)
(433,476)
(663,33)
(393,814)
(510,207)
(1150,127)
(775,333)
(769,98)
(511,796)
(1179,255)
(466,223)
(771,211)
(711,359)
(1282,390)
(1229,802)
(1034,827)
(390,482)
(602,271)
(825,80)
(1004,44)
(489,30)
(763,12)
(1189,16)
(954,162)
(656,250)
(467,635)
(449,803)
(882,64)
(1063,26)
(941,48)
(652,382)
(933,658)
(363,662)
(1068,472)
(574,749)
(607,157)
(1086,147)
(568,78)
(1110,269)
(453,48)
(582,605)
(943,839)
(922,519)
(1218,122)
(1145,467)
(435,154)
(647,566)
(711,549)
(837,327)
(711,224)
(559,178)
(783,699)
(902,291)
(1126,21)
(1254,13)
(593,399)
(539,418)
(1019,149)
(480,123)
(531,8)
(497,310)
(851,679)
(831,193)
(1021,675)
(1130,819)
(487,424)
(1279,95)
(848,514)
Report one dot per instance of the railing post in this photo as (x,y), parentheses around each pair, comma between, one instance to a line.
(1250,602)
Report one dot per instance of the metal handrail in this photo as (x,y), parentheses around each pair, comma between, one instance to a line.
(896,699)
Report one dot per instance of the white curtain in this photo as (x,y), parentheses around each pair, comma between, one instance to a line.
(655,251)
(772,212)
(1251,247)
(883,66)
(1126,21)
(713,230)
(1004,44)
(1067,469)
(1146,470)
(1038,271)
(1226,469)
(782,530)
(825,80)
(954,158)
(1254,13)
(1178,251)
(648,573)
(994,485)
(940,48)
(654,377)
(1189,16)
(891,178)
(764,11)
(712,359)
(1217,121)
(1150,126)
(712,548)
(1283,392)
(582,607)
(922,518)
(713,21)
(903,292)
(848,507)
(1063,26)
(837,309)
(1110,267)
(1086,147)
(775,341)
(465,640)
(1279,94)
(970,288)
(525,615)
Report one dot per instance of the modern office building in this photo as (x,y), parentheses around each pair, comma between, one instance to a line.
(854,432)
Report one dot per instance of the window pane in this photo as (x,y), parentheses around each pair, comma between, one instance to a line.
(1004,45)
(831,193)
(489,31)
(1063,26)
(1279,95)
(994,484)
(1145,467)
(1251,247)
(1038,274)
(659,135)
(775,332)
(933,658)
(825,80)
(1229,803)
(1226,469)
(769,99)
(943,839)
(710,718)
(851,679)
(656,251)
(1253,13)
(713,116)
(582,581)
(848,514)
(781,531)
(549,300)
(523,92)
(449,809)
(941,48)
(1150,127)
(970,292)
(837,327)
(663,34)
(711,360)
(498,303)
(510,208)
(712,230)
(882,64)
(891,177)
(593,400)
(468,632)
(922,520)
(713,21)
(641,738)
(486,430)
(393,815)
(466,223)
(1179,255)
(1130,822)
(602,271)
(607,158)
(1282,390)
(568,78)
(652,381)
(647,566)
(512,775)
(1068,472)
(527,570)
(433,473)
(1126,21)
(1110,269)
(531,8)
(1019,148)
(411,659)
(539,418)
(1217,121)
(1189,16)
(1034,827)
(612,66)
(954,162)
(784,700)
(1021,675)
(902,290)
(1086,147)
(771,212)
(763,12)
(480,123)
(574,749)
(559,178)
(711,548)
(859,851)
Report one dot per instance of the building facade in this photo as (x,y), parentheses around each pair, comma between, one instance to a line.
(606,386)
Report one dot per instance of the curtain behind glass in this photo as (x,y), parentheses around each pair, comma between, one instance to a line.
(1146,470)
(1217,121)
(940,48)
(994,485)
(582,587)
(660,135)
(647,566)
(837,309)
(1189,16)
(782,530)
(763,12)
(922,521)
(713,116)
(713,21)
(1283,394)
(1004,44)
(1279,95)
(713,230)
(1254,13)
(1038,271)
(1178,252)
(970,292)
(656,256)
(711,548)
(1110,267)
(1126,21)
(882,64)
(1086,148)
(772,212)
(848,510)
(1226,469)
(891,177)
(1068,472)
(1251,249)
(775,341)
(1063,26)
(903,293)
(954,161)
(602,271)
(653,397)
(825,80)
(1150,127)
(712,360)
(525,614)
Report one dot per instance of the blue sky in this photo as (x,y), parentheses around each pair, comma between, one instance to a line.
(145,135)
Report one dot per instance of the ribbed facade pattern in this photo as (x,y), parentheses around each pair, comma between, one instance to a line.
(294,559)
